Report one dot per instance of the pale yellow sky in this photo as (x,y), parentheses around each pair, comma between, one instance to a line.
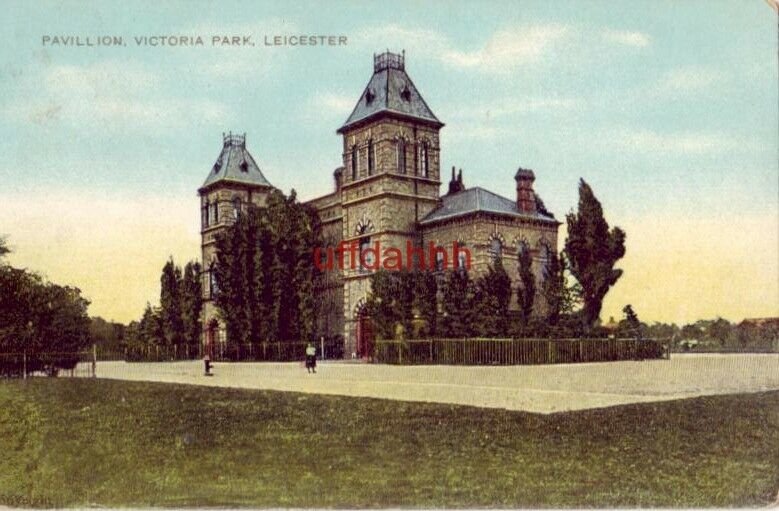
(114,246)
(670,118)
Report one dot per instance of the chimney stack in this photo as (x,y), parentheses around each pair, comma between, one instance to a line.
(456,185)
(526,197)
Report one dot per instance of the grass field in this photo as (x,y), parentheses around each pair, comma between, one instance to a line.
(75,442)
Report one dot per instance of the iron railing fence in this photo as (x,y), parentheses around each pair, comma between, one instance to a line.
(23,364)
(478,351)
(271,351)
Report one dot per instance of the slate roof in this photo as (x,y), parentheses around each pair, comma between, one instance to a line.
(235,165)
(475,200)
(390,90)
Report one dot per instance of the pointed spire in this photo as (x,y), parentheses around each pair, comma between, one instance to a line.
(390,91)
(235,164)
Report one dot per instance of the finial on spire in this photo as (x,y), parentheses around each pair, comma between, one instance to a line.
(389,60)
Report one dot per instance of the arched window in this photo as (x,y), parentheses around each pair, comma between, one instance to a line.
(366,257)
(236,207)
(370,156)
(424,162)
(205,214)
(354,162)
(463,256)
(522,248)
(440,260)
(496,249)
(401,156)
(523,251)
(215,212)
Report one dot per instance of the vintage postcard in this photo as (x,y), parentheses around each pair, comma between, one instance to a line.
(369,254)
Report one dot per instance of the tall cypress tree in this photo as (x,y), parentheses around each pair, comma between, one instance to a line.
(170,303)
(555,289)
(592,249)
(150,329)
(493,297)
(425,294)
(266,274)
(527,285)
(191,302)
(459,297)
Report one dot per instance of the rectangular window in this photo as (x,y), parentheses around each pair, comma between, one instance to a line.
(370,157)
(401,157)
(424,161)
(354,162)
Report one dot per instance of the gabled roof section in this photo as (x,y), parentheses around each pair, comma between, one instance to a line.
(390,91)
(478,200)
(235,165)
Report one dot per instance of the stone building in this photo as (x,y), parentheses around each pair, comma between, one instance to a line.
(234,182)
(386,191)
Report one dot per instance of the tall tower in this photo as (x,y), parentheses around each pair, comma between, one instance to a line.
(390,178)
(234,182)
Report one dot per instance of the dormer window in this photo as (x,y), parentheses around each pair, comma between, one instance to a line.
(405,93)
(369,97)
(217,166)
(244,166)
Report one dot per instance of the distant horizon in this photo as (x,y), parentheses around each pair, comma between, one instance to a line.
(670,116)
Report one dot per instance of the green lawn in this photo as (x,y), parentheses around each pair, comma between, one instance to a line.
(71,442)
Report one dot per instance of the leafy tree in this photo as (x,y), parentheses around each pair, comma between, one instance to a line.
(46,321)
(592,249)
(108,335)
(425,304)
(527,285)
(630,325)
(4,250)
(631,318)
(721,331)
(391,301)
(459,297)
(493,294)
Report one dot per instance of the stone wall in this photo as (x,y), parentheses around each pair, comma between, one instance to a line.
(224,195)
(476,233)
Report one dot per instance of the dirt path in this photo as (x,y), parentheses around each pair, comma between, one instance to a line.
(540,389)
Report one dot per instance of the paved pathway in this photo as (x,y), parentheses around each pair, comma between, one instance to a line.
(540,389)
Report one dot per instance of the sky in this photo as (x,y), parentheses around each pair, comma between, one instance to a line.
(667,109)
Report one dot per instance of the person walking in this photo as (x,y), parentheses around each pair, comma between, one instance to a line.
(311,358)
